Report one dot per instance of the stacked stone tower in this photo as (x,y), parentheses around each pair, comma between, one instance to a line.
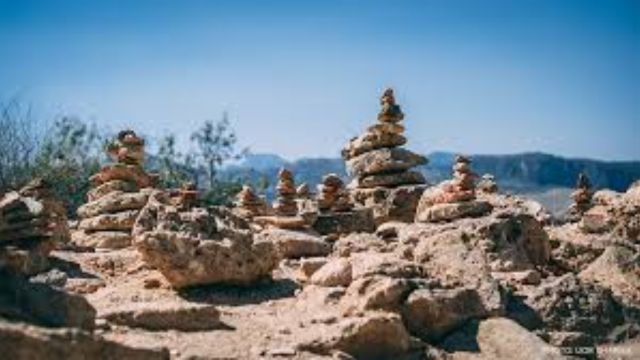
(248,204)
(332,195)
(453,199)
(488,184)
(286,214)
(582,198)
(382,169)
(117,197)
(32,222)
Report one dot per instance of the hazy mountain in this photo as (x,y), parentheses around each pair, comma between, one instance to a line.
(542,176)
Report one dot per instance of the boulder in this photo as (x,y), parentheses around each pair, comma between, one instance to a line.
(375,335)
(500,338)
(41,304)
(617,269)
(186,261)
(433,313)
(336,272)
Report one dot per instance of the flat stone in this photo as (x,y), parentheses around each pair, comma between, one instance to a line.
(122,221)
(357,220)
(391,180)
(102,239)
(384,161)
(295,244)
(109,187)
(372,141)
(128,173)
(173,315)
(113,202)
(448,212)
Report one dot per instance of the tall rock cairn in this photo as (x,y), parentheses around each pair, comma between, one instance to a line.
(582,198)
(117,197)
(32,223)
(285,204)
(376,158)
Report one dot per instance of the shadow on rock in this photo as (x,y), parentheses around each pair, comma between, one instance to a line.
(241,295)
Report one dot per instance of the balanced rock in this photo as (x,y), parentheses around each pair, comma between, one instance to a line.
(382,170)
(332,196)
(248,204)
(32,222)
(120,192)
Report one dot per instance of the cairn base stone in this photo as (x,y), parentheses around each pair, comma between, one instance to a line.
(448,212)
(102,239)
(391,180)
(390,204)
(357,220)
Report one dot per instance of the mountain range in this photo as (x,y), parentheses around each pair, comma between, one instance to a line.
(545,177)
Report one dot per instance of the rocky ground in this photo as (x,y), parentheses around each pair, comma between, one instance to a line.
(455,270)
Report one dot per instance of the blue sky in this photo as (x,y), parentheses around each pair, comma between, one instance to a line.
(299,78)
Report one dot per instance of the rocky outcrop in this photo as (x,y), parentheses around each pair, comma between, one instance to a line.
(617,214)
(32,222)
(382,169)
(200,246)
(119,194)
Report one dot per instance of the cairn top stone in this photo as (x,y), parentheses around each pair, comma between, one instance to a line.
(390,111)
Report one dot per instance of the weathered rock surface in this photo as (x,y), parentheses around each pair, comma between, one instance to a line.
(501,338)
(396,204)
(201,247)
(384,160)
(113,202)
(166,316)
(357,220)
(452,211)
(41,304)
(617,269)
(294,244)
(372,336)
(32,222)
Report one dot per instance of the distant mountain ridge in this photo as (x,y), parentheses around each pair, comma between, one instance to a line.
(518,172)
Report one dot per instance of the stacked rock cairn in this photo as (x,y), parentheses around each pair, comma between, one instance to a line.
(120,191)
(332,195)
(285,204)
(187,196)
(375,159)
(381,169)
(286,214)
(249,204)
(453,199)
(582,198)
(32,223)
(487,184)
